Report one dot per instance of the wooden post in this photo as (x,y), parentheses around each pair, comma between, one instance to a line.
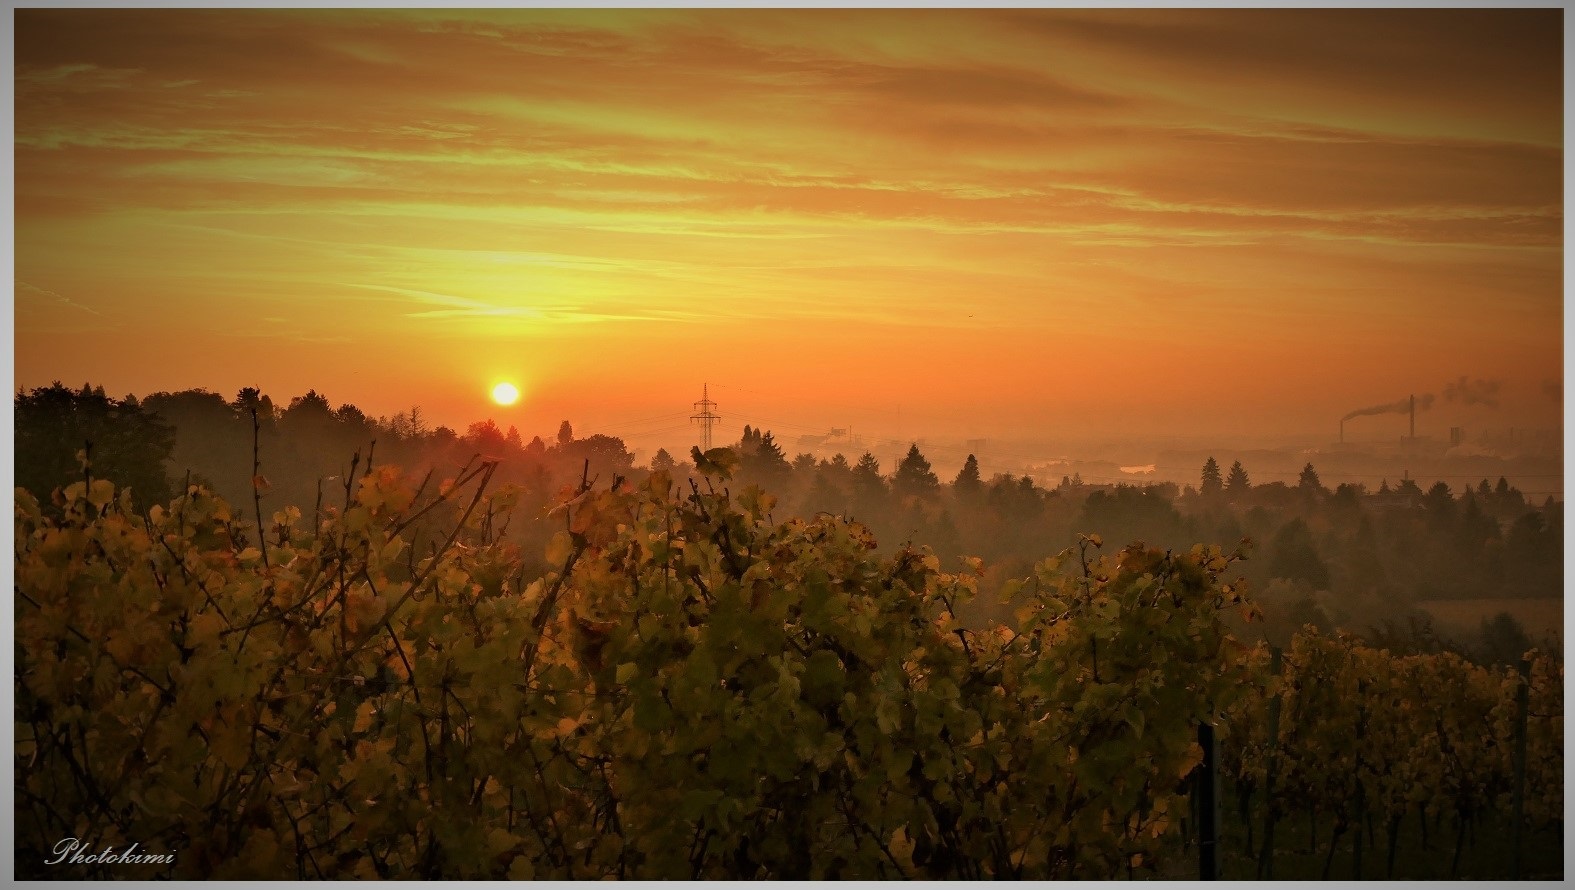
(1522,712)
(1271,767)
(1208,806)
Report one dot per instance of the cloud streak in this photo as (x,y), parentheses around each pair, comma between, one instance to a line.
(1162,176)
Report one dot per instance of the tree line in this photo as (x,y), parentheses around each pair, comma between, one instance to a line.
(1342,557)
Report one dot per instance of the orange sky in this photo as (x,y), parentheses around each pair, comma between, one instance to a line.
(936,222)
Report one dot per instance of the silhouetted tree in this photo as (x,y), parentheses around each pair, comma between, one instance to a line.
(967,483)
(1503,640)
(1293,556)
(129,445)
(761,459)
(1439,505)
(352,417)
(607,454)
(868,484)
(662,461)
(308,419)
(251,397)
(1128,513)
(565,433)
(1308,481)
(485,437)
(913,476)
(867,472)
(1236,483)
(1211,484)
(211,439)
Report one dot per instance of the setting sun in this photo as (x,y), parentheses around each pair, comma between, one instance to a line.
(505,393)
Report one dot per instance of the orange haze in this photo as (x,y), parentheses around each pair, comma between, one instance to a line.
(918,222)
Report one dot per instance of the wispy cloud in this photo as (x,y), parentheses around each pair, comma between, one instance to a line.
(58,298)
(1239,177)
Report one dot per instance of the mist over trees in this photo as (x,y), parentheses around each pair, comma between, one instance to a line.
(1347,557)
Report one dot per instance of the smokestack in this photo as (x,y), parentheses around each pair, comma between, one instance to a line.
(1413,417)
(1342,432)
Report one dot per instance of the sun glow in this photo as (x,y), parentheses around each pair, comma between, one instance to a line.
(505,393)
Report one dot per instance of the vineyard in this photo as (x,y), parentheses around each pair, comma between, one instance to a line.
(383,688)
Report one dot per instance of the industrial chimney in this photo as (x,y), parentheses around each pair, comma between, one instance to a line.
(1413,417)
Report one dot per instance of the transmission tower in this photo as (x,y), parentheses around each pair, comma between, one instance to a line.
(706,416)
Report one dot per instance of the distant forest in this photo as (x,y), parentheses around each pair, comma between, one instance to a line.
(1350,558)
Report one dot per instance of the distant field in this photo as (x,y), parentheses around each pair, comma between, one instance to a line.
(1540,617)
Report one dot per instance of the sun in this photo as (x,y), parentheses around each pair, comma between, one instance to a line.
(505,393)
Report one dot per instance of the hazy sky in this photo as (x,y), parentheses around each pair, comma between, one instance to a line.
(1132,222)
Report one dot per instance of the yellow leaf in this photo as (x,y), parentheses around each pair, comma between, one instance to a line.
(900,845)
(363,716)
(102,492)
(1194,756)
(559,548)
(627,671)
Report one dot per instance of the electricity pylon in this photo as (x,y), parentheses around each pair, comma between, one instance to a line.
(706,416)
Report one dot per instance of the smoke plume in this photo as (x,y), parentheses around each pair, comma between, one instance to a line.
(1423,402)
(1473,392)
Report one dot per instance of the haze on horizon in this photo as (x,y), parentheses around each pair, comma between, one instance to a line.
(916,222)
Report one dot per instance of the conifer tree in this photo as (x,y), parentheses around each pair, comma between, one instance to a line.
(967,481)
(913,476)
(1211,478)
(1236,483)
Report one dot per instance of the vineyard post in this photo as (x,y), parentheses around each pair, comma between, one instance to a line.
(1208,805)
(1522,713)
(1271,767)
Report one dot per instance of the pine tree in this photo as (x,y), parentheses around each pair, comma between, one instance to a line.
(967,482)
(761,458)
(1309,479)
(1236,483)
(913,476)
(869,487)
(1211,478)
(866,476)
(662,461)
